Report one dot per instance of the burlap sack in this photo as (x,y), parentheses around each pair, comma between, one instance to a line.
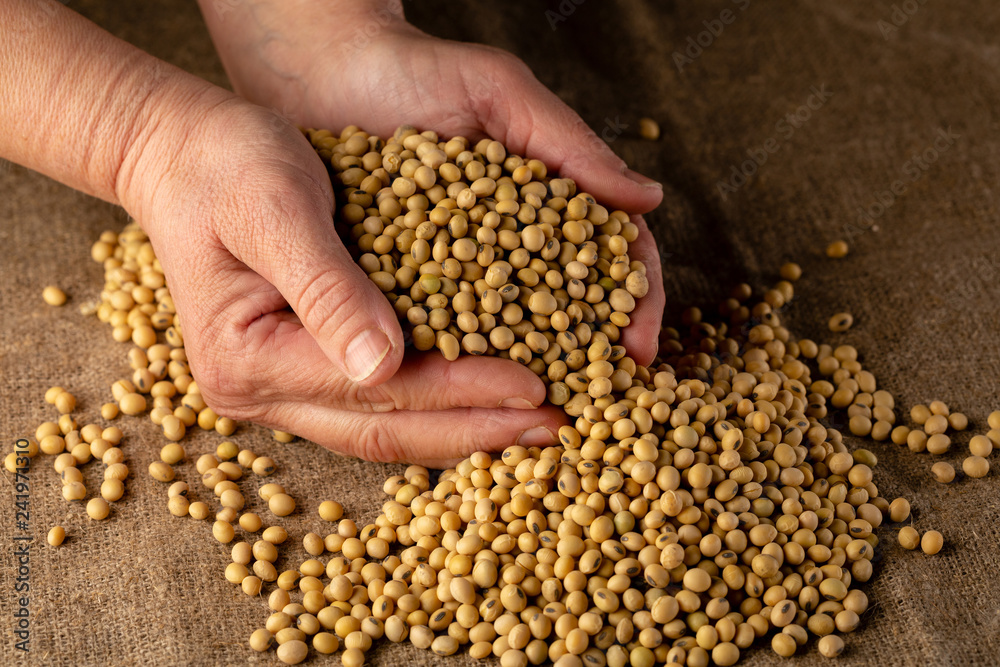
(785,126)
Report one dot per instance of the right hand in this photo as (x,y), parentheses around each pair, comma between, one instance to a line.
(280,325)
(303,62)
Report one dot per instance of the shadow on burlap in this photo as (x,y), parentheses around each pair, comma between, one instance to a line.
(922,279)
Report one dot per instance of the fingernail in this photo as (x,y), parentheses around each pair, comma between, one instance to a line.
(644,181)
(517,404)
(537,437)
(365,353)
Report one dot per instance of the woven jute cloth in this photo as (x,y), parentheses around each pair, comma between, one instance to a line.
(784,126)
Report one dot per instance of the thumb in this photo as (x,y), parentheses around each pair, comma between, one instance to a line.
(294,246)
(537,124)
(347,314)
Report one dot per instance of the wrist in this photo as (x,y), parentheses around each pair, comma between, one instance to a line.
(78,101)
(260,20)
(167,125)
(270,48)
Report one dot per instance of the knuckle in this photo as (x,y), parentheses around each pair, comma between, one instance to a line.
(229,395)
(257,413)
(260,219)
(215,381)
(507,61)
(494,71)
(324,303)
(372,399)
(482,430)
(426,391)
(377,443)
(226,378)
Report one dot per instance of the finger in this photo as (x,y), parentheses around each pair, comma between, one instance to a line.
(428,381)
(536,123)
(641,335)
(296,368)
(286,234)
(437,438)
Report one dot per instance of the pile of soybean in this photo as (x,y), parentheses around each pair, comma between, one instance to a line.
(482,253)
(694,508)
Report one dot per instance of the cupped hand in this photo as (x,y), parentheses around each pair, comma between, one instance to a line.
(317,71)
(280,325)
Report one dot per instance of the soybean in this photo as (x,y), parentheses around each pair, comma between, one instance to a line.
(931,542)
(830,646)
(293,652)
(837,249)
(649,129)
(53,296)
(943,472)
(331,510)
(281,504)
(161,472)
(56,536)
(976,466)
(840,322)
(98,509)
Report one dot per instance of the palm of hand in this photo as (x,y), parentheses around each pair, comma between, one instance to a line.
(407,77)
(403,76)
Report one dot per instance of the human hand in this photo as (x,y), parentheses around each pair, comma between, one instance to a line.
(239,210)
(307,65)
(280,325)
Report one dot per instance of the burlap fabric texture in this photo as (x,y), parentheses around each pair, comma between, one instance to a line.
(785,126)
